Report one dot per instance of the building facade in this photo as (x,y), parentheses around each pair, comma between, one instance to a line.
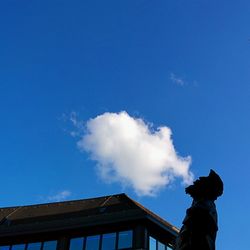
(114,222)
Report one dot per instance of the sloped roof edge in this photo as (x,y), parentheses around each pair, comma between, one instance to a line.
(94,206)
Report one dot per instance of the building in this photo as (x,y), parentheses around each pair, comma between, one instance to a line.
(112,222)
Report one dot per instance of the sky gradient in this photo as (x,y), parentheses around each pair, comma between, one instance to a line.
(181,64)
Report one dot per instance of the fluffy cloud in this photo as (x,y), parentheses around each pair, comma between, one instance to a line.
(128,151)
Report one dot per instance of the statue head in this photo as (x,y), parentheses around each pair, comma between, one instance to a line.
(209,187)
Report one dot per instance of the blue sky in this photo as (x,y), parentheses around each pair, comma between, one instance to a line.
(180,64)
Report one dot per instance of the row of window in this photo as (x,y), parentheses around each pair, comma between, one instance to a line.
(157,245)
(110,241)
(47,245)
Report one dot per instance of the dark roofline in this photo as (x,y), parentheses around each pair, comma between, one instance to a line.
(63,202)
(76,213)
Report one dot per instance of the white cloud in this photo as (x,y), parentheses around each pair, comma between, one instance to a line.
(177,80)
(61,196)
(129,152)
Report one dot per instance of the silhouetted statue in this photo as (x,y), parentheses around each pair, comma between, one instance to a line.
(200,224)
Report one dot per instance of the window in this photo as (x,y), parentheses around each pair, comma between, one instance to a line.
(4,247)
(34,246)
(76,244)
(92,242)
(18,247)
(161,246)
(152,243)
(108,241)
(125,239)
(49,245)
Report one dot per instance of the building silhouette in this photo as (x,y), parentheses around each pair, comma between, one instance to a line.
(112,222)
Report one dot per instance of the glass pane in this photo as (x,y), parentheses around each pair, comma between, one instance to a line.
(125,239)
(4,247)
(152,243)
(18,247)
(34,246)
(76,244)
(161,246)
(92,242)
(108,241)
(49,245)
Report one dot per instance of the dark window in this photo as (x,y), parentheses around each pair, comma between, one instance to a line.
(152,243)
(49,245)
(92,242)
(4,247)
(18,247)
(125,239)
(76,244)
(108,241)
(34,246)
